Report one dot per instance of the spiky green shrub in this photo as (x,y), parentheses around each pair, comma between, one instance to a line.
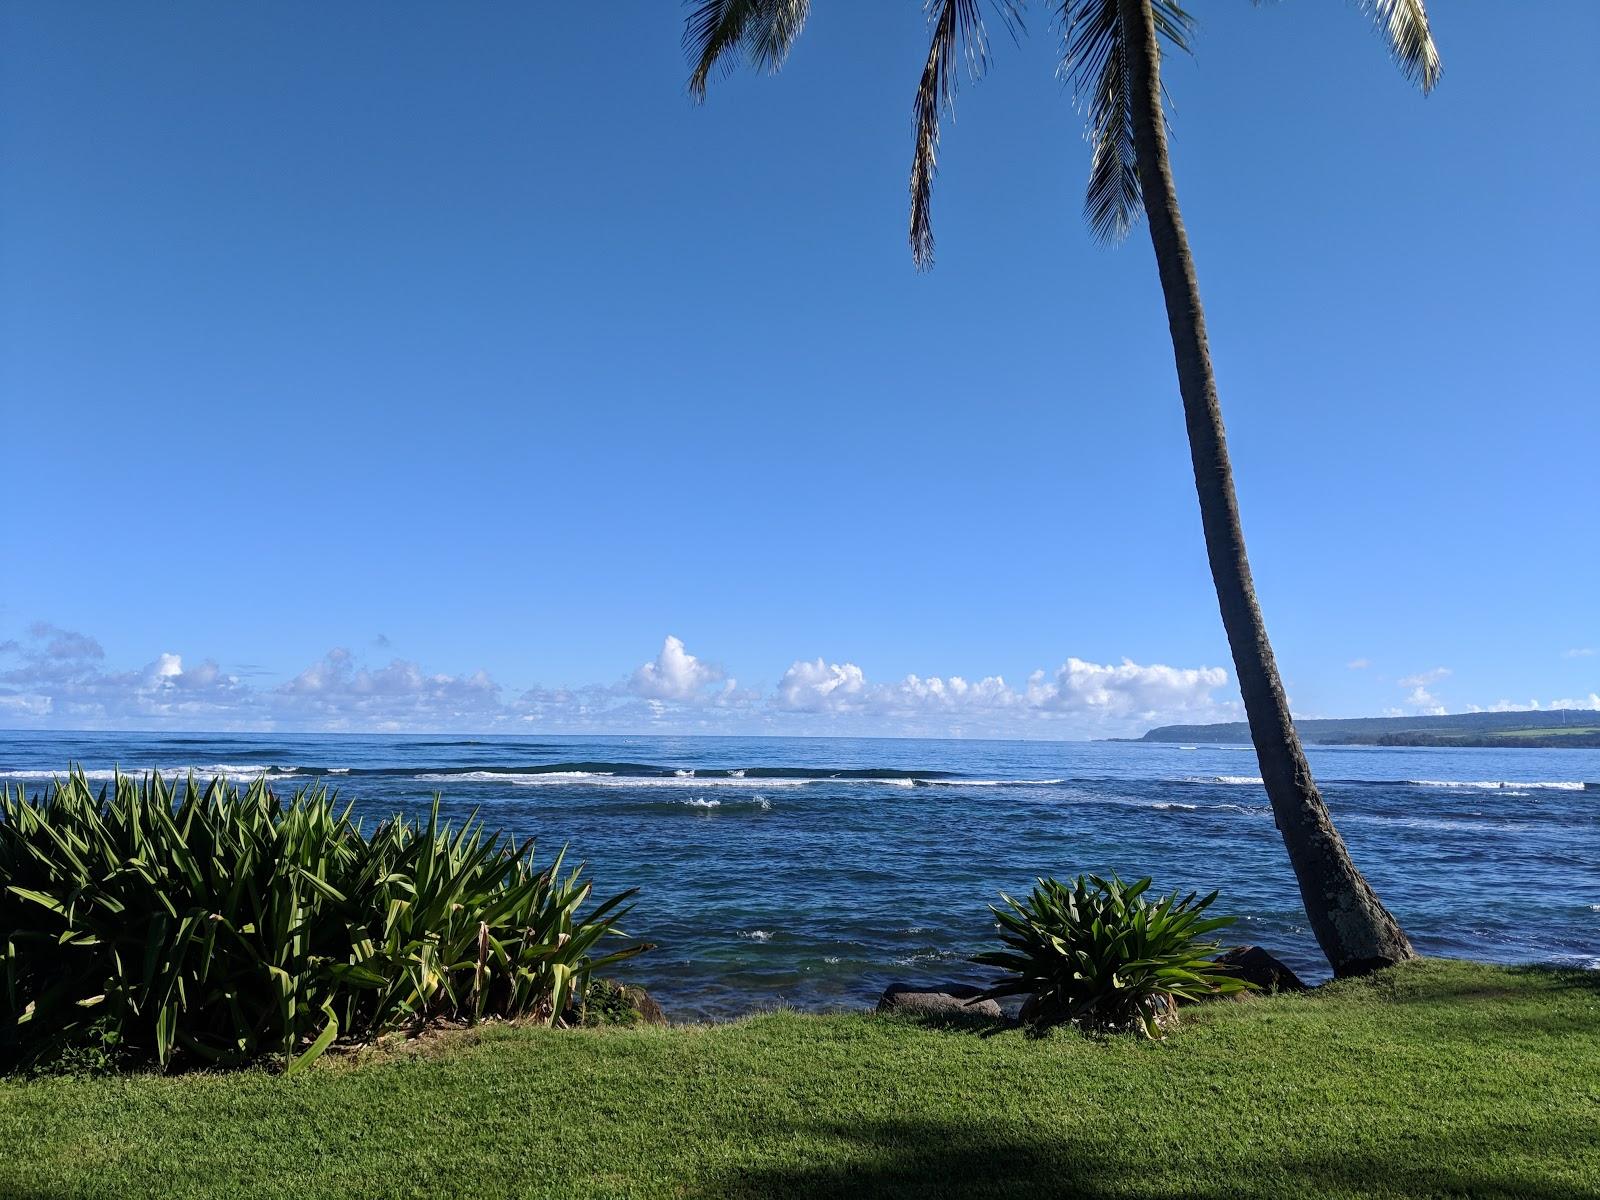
(201,923)
(1099,954)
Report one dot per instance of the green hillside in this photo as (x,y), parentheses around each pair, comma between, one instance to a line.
(1560,728)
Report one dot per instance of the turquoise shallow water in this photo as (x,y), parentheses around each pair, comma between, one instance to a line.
(814,872)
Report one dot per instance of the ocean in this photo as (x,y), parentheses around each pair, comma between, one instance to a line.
(814,872)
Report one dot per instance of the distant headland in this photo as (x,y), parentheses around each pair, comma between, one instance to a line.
(1559,727)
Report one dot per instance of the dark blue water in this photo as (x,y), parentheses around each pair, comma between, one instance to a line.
(814,872)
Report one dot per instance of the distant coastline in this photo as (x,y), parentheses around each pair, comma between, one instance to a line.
(1561,729)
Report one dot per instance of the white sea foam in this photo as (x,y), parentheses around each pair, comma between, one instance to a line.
(41,775)
(1238,780)
(757,935)
(518,778)
(608,779)
(1441,824)
(1561,785)
(1178,807)
(1584,962)
(243,769)
(926,956)
(232,771)
(682,781)
(990,782)
(701,802)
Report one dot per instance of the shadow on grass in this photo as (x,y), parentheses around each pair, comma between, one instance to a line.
(1527,999)
(955,1022)
(924,1160)
(1479,981)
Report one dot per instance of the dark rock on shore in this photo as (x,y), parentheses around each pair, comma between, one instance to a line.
(612,1003)
(947,1000)
(1254,965)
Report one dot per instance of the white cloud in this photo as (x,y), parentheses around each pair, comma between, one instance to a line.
(1592,700)
(1129,688)
(675,674)
(1358,664)
(1579,652)
(1422,701)
(58,679)
(822,687)
(337,692)
(63,643)
(1425,703)
(21,704)
(1081,695)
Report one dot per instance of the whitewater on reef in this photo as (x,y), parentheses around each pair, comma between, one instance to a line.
(814,872)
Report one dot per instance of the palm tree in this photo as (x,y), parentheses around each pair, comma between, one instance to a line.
(1113,58)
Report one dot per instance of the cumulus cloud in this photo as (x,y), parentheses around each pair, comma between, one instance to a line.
(1591,701)
(822,687)
(675,674)
(63,644)
(56,678)
(1129,689)
(1078,695)
(338,692)
(1424,703)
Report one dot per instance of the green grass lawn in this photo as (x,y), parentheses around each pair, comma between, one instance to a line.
(1439,1078)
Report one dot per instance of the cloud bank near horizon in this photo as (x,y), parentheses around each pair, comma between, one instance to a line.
(57,678)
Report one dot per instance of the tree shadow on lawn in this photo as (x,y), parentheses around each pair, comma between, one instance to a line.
(930,1159)
(1479,1007)
(954,1022)
(1401,988)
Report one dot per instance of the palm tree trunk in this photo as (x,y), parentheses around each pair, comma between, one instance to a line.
(1354,929)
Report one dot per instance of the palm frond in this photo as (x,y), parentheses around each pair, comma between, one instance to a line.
(1095,63)
(1404,24)
(763,30)
(957,31)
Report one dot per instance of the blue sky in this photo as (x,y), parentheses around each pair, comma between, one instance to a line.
(385,365)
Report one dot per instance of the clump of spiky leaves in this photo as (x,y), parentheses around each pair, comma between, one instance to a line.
(205,924)
(1099,954)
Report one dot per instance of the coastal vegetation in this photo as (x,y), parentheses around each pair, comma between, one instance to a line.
(1101,954)
(1434,1078)
(205,925)
(1552,729)
(367,986)
(1112,51)
(1515,739)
